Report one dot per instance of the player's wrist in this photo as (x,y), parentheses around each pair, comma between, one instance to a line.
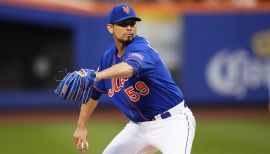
(99,76)
(81,126)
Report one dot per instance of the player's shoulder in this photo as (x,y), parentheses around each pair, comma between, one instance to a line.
(138,43)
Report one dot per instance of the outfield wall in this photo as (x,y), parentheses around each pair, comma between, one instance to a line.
(227,57)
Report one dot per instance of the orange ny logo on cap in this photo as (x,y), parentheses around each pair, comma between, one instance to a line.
(126,9)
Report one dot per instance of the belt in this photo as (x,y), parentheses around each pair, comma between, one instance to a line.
(174,110)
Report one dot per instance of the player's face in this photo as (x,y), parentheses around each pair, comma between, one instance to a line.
(123,31)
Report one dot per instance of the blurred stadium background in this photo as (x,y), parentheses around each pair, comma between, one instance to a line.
(218,51)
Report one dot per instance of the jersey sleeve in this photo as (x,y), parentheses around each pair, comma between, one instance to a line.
(141,62)
(98,89)
(99,86)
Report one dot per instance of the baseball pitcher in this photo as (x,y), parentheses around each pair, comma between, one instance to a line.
(132,74)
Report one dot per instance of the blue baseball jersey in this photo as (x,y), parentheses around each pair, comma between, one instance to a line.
(149,92)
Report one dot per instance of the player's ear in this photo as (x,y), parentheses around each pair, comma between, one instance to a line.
(110,28)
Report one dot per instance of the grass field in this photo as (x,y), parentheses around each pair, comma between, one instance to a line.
(212,137)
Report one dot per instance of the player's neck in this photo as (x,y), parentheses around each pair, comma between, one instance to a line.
(120,49)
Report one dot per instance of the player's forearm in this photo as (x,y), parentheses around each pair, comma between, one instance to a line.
(121,70)
(85,113)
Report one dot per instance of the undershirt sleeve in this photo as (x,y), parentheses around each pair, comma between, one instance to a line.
(96,94)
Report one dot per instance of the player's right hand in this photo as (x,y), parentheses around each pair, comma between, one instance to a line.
(80,139)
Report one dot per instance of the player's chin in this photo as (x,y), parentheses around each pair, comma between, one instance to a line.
(128,39)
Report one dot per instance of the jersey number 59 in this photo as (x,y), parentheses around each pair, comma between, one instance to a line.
(133,95)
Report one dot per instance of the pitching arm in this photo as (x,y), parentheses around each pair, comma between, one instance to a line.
(80,134)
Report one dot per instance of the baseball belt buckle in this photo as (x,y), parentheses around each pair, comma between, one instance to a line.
(164,115)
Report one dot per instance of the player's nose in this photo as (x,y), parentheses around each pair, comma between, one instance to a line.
(129,28)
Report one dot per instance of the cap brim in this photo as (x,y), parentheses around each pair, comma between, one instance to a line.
(122,19)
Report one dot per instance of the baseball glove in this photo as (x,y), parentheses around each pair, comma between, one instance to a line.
(76,86)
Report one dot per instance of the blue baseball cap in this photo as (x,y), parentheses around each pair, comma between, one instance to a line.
(122,12)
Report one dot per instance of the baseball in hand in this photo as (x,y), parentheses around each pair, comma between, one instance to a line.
(84,146)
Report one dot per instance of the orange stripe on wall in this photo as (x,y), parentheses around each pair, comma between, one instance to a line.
(99,8)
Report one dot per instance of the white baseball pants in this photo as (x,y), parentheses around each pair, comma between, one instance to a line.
(173,135)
